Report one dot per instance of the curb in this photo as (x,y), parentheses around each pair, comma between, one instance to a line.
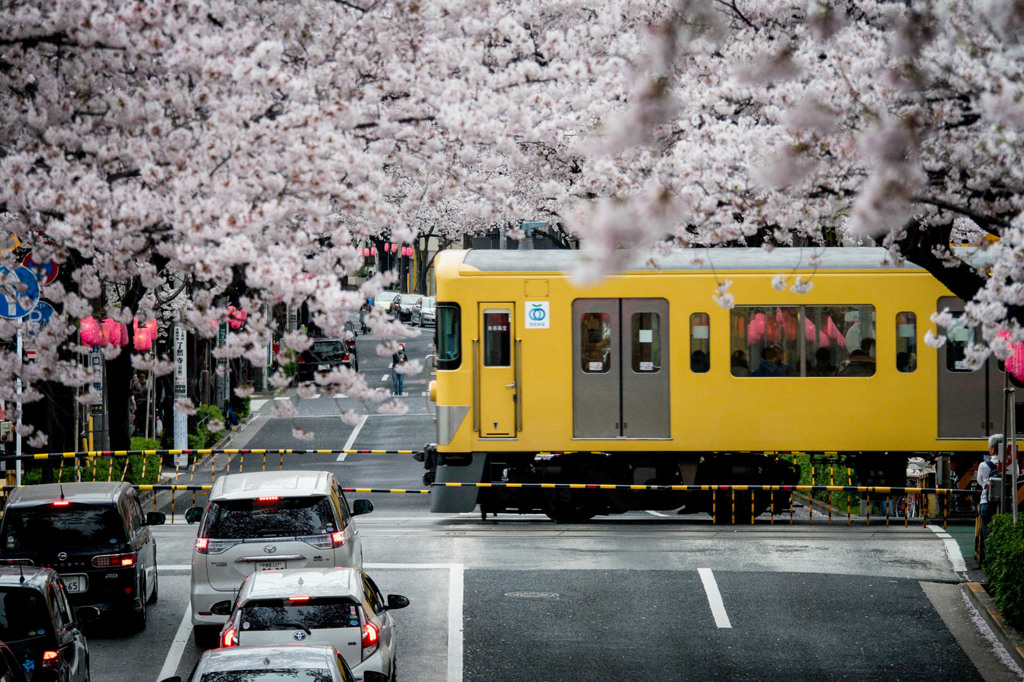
(1010,638)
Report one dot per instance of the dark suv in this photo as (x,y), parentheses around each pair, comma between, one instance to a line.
(95,535)
(39,626)
(327,354)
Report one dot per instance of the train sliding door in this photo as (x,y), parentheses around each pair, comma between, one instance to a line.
(497,372)
(620,368)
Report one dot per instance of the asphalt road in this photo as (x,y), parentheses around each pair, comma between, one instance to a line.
(640,597)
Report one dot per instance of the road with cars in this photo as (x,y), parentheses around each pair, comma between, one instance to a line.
(644,596)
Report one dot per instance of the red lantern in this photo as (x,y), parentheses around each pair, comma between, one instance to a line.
(144,335)
(373,250)
(91,333)
(236,317)
(366,252)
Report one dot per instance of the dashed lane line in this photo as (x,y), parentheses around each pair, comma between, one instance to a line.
(173,658)
(352,438)
(714,598)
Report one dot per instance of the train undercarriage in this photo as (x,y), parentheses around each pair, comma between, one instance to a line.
(568,505)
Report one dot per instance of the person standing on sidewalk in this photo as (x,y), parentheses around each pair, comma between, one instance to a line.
(988,468)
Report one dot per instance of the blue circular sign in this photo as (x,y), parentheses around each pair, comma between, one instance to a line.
(18,301)
(39,317)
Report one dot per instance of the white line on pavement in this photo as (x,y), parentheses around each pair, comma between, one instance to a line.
(255,404)
(714,598)
(952,549)
(282,397)
(178,645)
(173,567)
(352,438)
(655,513)
(456,584)
(385,377)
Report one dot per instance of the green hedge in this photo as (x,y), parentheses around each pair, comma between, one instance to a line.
(839,500)
(1004,566)
(136,469)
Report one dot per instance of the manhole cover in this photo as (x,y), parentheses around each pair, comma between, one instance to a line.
(532,595)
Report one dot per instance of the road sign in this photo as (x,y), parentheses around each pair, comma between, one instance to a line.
(39,317)
(17,301)
(44,272)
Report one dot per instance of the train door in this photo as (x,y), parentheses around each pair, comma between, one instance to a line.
(965,404)
(620,368)
(496,372)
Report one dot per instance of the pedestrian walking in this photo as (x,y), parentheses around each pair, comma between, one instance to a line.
(988,468)
(398,361)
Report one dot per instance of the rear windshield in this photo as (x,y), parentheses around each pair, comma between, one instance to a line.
(76,525)
(278,675)
(284,517)
(317,613)
(326,350)
(22,614)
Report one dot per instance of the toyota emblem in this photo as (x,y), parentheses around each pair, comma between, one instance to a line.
(270,549)
(62,556)
(299,636)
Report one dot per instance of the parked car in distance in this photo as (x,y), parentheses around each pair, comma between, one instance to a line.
(267,521)
(325,355)
(424,312)
(384,300)
(95,535)
(40,627)
(271,664)
(342,607)
(403,305)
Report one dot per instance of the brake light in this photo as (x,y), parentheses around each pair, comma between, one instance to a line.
(60,503)
(371,639)
(51,660)
(229,638)
(202,544)
(114,560)
(298,598)
(268,498)
(337,538)
(345,358)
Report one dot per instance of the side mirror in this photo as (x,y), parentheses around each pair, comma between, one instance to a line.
(360,507)
(87,614)
(397,601)
(194,514)
(221,608)
(155,518)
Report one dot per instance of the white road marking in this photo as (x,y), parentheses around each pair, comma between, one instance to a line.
(456,584)
(352,438)
(282,397)
(714,598)
(178,645)
(256,403)
(385,377)
(956,558)
(173,567)
(655,513)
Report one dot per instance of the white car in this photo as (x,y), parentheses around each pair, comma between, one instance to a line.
(267,521)
(341,607)
(271,664)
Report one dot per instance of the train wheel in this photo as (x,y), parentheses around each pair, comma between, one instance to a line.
(567,506)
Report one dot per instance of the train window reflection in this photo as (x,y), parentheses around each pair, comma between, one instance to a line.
(958,338)
(906,342)
(700,342)
(497,338)
(596,338)
(646,342)
(449,336)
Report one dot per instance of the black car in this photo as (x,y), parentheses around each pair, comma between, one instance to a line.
(41,629)
(403,304)
(327,354)
(95,535)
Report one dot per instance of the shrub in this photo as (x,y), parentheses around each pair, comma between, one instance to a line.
(246,407)
(135,469)
(1004,564)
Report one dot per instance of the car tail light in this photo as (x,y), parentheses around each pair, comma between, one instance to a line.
(371,639)
(114,560)
(327,540)
(61,503)
(18,562)
(229,638)
(337,538)
(298,598)
(202,544)
(345,358)
(267,499)
(210,546)
(51,660)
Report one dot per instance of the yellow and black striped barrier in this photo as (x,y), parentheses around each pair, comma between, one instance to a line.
(202,451)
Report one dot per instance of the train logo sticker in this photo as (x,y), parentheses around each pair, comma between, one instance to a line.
(537,315)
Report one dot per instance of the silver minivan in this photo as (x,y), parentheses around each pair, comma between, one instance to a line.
(267,521)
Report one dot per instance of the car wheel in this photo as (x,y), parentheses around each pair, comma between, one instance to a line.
(137,619)
(156,588)
(206,636)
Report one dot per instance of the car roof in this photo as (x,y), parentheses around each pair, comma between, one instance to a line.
(246,658)
(77,492)
(35,577)
(387,294)
(294,483)
(307,582)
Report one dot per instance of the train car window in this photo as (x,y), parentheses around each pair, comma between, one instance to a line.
(497,338)
(646,343)
(700,342)
(448,330)
(596,337)
(958,338)
(906,342)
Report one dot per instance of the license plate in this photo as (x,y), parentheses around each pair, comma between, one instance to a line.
(269,565)
(75,583)
(323,368)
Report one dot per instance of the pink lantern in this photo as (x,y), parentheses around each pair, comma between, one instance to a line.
(116,332)
(366,252)
(145,335)
(373,250)
(236,317)
(91,333)
(394,248)
(1014,363)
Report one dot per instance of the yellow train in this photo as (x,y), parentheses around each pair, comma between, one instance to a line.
(645,379)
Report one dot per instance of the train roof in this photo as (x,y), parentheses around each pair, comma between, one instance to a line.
(702,259)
